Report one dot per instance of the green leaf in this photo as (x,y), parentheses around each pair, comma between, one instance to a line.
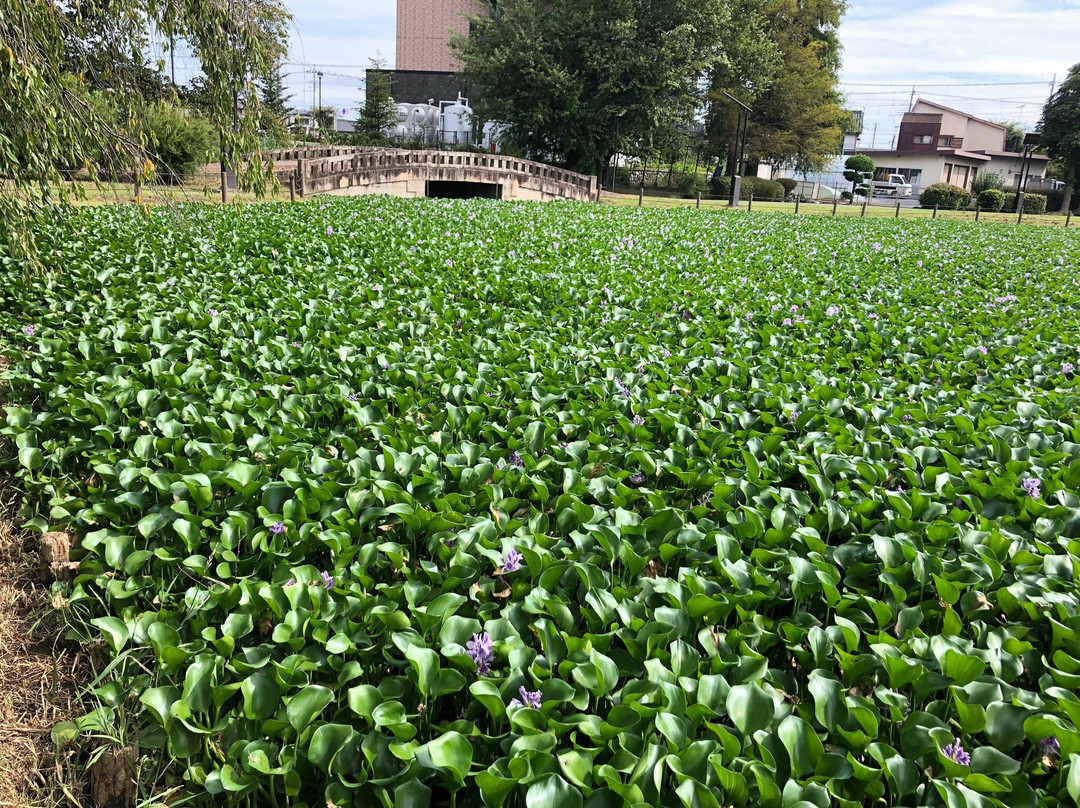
(750,708)
(802,744)
(451,753)
(308,703)
(552,792)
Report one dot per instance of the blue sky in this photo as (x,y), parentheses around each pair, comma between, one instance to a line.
(890,47)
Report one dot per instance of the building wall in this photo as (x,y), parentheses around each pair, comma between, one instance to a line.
(424,28)
(421,86)
(978,135)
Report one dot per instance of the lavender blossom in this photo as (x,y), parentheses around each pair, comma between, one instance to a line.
(329,231)
(955,752)
(638,421)
(1031,487)
(511,560)
(787,321)
(298,345)
(353,397)
(278,528)
(982,350)
(212,312)
(528,699)
(666,354)
(637,479)
(1049,746)
(515,460)
(1067,368)
(28,330)
(290,582)
(482,652)
(171,282)
(832,311)
(328,580)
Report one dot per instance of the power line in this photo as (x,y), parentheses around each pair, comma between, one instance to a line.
(907,85)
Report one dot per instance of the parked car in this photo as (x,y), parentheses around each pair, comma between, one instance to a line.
(893,185)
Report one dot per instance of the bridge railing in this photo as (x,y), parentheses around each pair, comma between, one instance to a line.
(367,160)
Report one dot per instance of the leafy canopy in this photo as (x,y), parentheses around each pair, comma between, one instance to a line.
(560,73)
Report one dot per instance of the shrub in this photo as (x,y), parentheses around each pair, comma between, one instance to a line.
(860,170)
(762,189)
(847,196)
(945,196)
(992,199)
(987,181)
(1034,203)
(693,184)
(720,186)
(178,144)
(789,185)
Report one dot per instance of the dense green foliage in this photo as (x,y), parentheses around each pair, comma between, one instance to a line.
(859,172)
(178,144)
(1060,129)
(987,181)
(558,74)
(781,57)
(756,186)
(1034,203)
(945,196)
(794,498)
(992,199)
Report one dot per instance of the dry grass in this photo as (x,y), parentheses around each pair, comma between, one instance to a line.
(40,675)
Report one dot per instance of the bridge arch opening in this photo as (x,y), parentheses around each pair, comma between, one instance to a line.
(454,189)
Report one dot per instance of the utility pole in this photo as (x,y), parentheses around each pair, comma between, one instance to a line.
(320,91)
(172,58)
(911,103)
(873,138)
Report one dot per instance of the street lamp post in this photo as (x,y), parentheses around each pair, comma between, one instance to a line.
(739,152)
(615,156)
(1031,142)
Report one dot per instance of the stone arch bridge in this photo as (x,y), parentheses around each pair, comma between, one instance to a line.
(354,171)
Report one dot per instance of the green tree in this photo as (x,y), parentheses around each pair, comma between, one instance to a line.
(274,104)
(860,171)
(787,70)
(48,124)
(1060,128)
(559,74)
(379,113)
(1014,135)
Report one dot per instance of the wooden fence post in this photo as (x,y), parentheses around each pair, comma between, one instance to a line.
(300,176)
(935,211)
(292,187)
(224,185)
(1020,211)
(898,209)
(835,202)
(699,200)
(863,214)
(641,195)
(798,199)
(976,213)
(1068,216)
(750,202)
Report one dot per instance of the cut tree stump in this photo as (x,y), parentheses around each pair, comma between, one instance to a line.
(56,564)
(112,779)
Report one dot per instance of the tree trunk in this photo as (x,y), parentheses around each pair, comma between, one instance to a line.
(1070,177)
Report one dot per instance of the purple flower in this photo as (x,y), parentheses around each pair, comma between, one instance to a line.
(482,652)
(787,321)
(515,459)
(353,397)
(686,315)
(171,282)
(955,752)
(297,345)
(511,560)
(793,417)
(623,389)
(832,311)
(328,580)
(290,582)
(982,350)
(794,309)
(1049,746)
(278,528)
(1031,487)
(385,365)
(528,699)
(28,330)
(666,354)
(638,421)
(876,245)
(212,312)
(906,418)
(1067,368)
(637,479)
(329,231)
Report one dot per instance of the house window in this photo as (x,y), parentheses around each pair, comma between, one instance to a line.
(924,138)
(914,175)
(945,140)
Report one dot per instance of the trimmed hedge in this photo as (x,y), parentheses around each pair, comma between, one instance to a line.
(761,189)
(945,196)
(1055,198)
(1033,203)
(992,199)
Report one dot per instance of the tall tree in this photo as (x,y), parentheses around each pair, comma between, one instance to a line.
(47,122)
(791,84)
(1014,135)
(562,75)
(379,112)
(1060,128)
(274,103)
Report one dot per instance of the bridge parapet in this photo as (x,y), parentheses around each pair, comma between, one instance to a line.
(351,171)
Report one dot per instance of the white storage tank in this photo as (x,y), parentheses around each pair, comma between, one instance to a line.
(457,121)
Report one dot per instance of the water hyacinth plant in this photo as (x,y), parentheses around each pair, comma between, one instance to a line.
(794,556)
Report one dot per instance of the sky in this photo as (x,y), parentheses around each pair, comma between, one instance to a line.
(990,58)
